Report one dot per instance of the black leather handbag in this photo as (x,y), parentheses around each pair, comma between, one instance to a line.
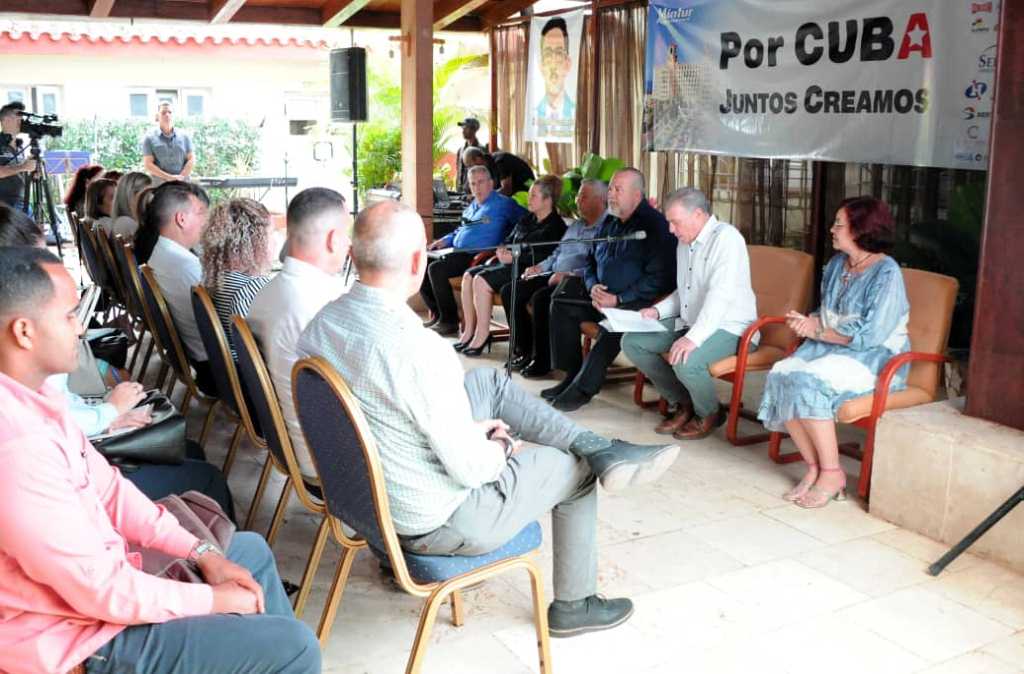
(112,347)
(161,442)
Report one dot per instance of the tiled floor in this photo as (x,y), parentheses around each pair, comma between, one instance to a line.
(725,575)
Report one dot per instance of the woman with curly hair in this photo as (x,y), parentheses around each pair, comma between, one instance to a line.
(860,325)
(236,257)
(74,199)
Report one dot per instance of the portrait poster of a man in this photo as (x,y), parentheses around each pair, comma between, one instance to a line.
(553,71)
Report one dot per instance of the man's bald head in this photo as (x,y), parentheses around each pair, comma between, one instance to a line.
(385,238)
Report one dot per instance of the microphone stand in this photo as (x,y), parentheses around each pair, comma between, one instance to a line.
(516,249)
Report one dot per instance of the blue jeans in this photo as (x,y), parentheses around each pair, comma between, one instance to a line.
(274,642)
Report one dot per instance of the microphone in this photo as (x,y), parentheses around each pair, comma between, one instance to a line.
(638,235)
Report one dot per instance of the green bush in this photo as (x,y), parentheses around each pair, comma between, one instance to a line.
(222,146)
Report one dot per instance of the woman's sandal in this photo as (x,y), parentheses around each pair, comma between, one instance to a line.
(801,488)
(816,497)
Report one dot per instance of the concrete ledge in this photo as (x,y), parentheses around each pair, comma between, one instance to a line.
(940,473)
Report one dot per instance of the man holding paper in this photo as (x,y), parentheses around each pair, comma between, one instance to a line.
(711,307)
(627,274)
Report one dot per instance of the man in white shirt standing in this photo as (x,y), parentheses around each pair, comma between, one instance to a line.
(712,305)
(178,211)
(318,243)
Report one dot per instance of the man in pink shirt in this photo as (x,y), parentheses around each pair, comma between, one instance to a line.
(72,597)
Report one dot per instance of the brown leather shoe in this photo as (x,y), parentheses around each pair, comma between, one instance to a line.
(697,428)
(675,422)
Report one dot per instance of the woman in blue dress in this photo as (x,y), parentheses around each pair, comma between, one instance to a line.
(860,325)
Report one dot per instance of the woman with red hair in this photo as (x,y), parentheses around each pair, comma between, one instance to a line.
(860,325)
(74,199)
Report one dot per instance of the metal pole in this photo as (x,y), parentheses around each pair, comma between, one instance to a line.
(976,533)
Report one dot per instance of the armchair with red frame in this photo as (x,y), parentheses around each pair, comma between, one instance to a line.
(782,280)
(931,298)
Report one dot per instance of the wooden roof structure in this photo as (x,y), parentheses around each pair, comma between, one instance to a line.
(457,15)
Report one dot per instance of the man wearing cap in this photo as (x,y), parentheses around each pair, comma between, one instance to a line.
(470,126)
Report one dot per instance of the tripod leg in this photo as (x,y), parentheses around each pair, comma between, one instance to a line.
(976,533)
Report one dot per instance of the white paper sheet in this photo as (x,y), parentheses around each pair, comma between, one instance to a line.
(620,320)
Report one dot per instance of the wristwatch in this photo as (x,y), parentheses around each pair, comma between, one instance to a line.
(200,549)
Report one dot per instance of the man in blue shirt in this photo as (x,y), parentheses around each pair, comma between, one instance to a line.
(485,222)
(623,274)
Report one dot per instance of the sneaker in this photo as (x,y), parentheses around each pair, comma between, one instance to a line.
(593,614)
(623,464)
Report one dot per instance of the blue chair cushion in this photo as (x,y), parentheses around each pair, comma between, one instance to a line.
(438,568)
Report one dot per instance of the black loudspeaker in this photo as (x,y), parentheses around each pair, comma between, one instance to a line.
(348,85)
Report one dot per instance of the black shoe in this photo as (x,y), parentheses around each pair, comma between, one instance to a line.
(570,400)
(474,351)
(431,322)
(520,361)
(535,370)
(623,464)
(445,329)
(595,613)
(556,390)
(459,346)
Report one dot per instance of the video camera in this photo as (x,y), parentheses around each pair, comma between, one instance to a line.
(37,126)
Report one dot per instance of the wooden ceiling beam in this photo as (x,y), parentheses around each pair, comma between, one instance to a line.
(337,12)
(222,11)
(446,12)
(100,9)
(497,12)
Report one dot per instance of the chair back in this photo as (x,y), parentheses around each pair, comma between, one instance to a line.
(782,279)
(345,452)
(258,389)
(222,365)
(90,255)
(113,272)
(133,295)
(931,297)
(168,341)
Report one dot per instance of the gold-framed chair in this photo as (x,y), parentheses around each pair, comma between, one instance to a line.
(222,365)
(134,278)
(134,302)
(352,477)
(265,407)
(931,297)
(171,349)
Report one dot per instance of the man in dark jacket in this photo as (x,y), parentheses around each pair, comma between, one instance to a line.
(622,274)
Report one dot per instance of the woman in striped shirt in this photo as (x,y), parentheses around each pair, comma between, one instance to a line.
(236,257)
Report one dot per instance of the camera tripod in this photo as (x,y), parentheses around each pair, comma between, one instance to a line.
(38,199)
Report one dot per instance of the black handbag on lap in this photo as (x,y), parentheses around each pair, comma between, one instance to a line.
(161,442)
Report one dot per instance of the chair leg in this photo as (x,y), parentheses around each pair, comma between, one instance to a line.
(540,617)
(229,460)
(427,618)
(867,458)
(458,616)
(208,423)
(261,486)
(135,354)
(185,400)
(348,555)
(311,566)
(145,361)
(161,375)
(775,450)
(282,506)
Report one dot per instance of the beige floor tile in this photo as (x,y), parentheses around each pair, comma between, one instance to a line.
(837,646)
(868,566)
(623,649)
(755,538)
(923,548)
(691,617)
(834,523)
(669,559)
(927,624)
(1010,650)
(973,663)
(783,592)
(991,590)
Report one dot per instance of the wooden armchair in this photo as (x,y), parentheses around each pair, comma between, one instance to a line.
(931,297)
(782,280)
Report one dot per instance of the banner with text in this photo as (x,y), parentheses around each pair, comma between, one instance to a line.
(551,77)
(884,81)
